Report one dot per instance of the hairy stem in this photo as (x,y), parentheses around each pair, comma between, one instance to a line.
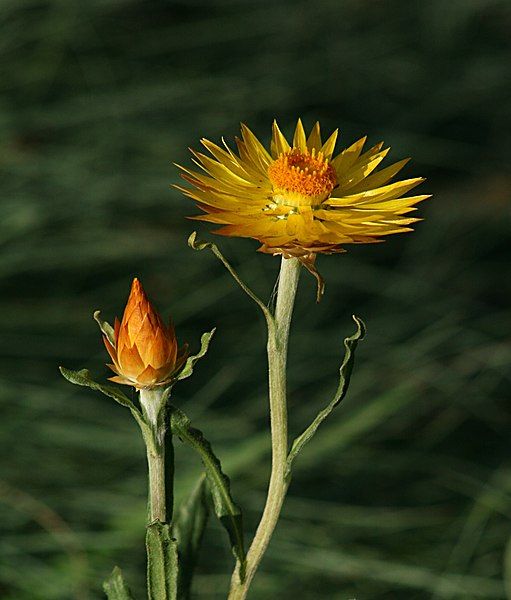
(278,335)
(152,405)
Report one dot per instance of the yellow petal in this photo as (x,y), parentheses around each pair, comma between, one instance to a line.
(256,150)
(329,145)
(358,173)
(314,139)
(393,190)
(299,140)
(367,156)
(380,178)
(279,144)
(347,157)
(229,159)
(220,171)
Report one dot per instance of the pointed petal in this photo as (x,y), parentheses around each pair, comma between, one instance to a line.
(255,146)
(299,140)
(122,380)
(110,349)
(380,178)
(347,157)
(329,145)
(314,139)
(130,362)
(393,190)
(279,144)
(359,173)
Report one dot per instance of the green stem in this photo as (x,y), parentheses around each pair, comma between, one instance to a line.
(278,335)
(152,405)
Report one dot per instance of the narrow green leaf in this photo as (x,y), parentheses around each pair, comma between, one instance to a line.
(162,562)
(350,344)
(188,529)
(115,587)
(83,378)
(106,329)
(196,244)
(226,509)
(187,370)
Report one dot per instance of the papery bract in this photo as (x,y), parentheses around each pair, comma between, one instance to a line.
(301,199)
(143,349)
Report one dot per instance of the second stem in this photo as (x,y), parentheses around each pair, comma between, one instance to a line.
(160,481)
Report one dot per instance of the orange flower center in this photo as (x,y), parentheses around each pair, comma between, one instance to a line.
(301,178)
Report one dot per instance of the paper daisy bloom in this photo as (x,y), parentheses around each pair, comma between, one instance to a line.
(298,199)
(144,350)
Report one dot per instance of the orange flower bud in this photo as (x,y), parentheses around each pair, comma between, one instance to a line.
(143,349)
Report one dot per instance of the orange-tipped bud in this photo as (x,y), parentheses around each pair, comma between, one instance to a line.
(143,349)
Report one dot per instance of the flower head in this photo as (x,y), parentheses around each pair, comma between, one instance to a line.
(143,349)
(297,200)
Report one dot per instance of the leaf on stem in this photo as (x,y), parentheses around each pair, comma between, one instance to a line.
(115,587)
(106,329)
(350,344)
(162,562)
(187,370)
(226,509)
(196,244)
(83,378)
(188,529)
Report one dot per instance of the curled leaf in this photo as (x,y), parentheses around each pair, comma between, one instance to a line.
(196,244)
(106,329)
(350,344)
(187,370)
(199,245)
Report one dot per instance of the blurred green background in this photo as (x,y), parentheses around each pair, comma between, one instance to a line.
(405,494)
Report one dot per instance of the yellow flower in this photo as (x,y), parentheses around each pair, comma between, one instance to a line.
(143,349)
(297,200)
